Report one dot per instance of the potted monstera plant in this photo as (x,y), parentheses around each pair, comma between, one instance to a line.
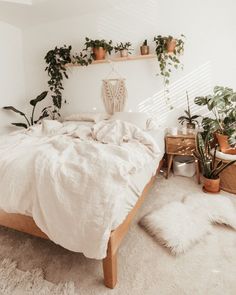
(191,120)
(222,121)
(207,158)
(99,48)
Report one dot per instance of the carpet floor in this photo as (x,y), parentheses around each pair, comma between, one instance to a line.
(145,267)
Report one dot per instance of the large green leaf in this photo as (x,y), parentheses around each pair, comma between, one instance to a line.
(39,98)
(23,125)
(201,100)
(11,108)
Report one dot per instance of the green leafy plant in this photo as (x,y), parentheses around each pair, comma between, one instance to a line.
(90,44)
(145,42)
(222,105)
(189,118)
(56,60)
(166,59)
(46,112)
(123,46)
(207,158)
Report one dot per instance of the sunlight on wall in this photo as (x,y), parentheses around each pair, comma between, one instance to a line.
(130,19)
(197,83)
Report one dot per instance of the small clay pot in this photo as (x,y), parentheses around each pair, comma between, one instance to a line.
(223,141)
(191,126)
(124,53)
(171,44)
(211,185)
(144,49)
(99,53)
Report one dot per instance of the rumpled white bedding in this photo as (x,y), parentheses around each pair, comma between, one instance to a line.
(73,179)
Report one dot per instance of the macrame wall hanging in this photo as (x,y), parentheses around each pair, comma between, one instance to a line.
(114,93)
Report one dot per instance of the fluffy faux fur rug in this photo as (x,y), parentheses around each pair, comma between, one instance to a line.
(16,282)
(144,266)
(180,225)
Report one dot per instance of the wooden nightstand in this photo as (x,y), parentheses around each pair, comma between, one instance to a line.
(182,145)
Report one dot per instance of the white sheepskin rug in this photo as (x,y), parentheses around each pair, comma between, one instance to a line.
(180,225)
(16,282)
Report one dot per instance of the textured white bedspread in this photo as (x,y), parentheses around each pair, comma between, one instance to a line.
(73,179)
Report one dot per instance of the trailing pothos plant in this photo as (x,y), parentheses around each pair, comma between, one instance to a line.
(56,60)
(168,50)
(30,120)
(222,105)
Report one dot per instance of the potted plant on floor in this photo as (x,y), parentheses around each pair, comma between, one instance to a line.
(123,49)
(30,121)
(207,158)
(191,120)
(144,49)
(222,105)
(99,48)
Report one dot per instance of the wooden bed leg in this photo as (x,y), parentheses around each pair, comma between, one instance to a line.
(110,270)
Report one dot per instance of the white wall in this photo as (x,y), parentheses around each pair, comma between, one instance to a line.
(11,73)
(209,59)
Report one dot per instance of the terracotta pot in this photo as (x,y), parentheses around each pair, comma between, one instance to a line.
(191,126)
(144,49)
(124,52)
(211,185)
(171,45)
(223,141)
(99,53)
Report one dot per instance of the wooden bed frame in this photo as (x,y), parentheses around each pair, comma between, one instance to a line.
(26,224)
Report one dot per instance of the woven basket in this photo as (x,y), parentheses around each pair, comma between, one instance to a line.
(228,178)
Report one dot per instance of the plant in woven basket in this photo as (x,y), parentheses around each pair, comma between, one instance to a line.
(222,105)
(206,155)
(30,120)
(190,119)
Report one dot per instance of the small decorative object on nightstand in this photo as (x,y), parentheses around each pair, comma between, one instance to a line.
(181,145)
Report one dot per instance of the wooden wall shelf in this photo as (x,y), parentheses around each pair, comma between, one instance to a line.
(117,59)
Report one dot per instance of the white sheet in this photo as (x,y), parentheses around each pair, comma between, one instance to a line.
(73,186)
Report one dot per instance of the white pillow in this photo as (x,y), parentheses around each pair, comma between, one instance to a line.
(50,127)
(136,118)
(88,117)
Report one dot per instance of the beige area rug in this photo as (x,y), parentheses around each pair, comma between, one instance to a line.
(145,267)
(16,282)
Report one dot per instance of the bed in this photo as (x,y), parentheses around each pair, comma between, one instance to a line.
(50,190)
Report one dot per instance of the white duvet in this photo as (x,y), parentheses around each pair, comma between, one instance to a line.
(75,177)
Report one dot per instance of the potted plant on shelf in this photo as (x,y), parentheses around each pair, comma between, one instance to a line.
(191,120)
(222,105)
(99,48)
(207,159)
(123,49)
(168,50)
(144,49)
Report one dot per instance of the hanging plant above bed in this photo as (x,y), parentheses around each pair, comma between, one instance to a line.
(168,50)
